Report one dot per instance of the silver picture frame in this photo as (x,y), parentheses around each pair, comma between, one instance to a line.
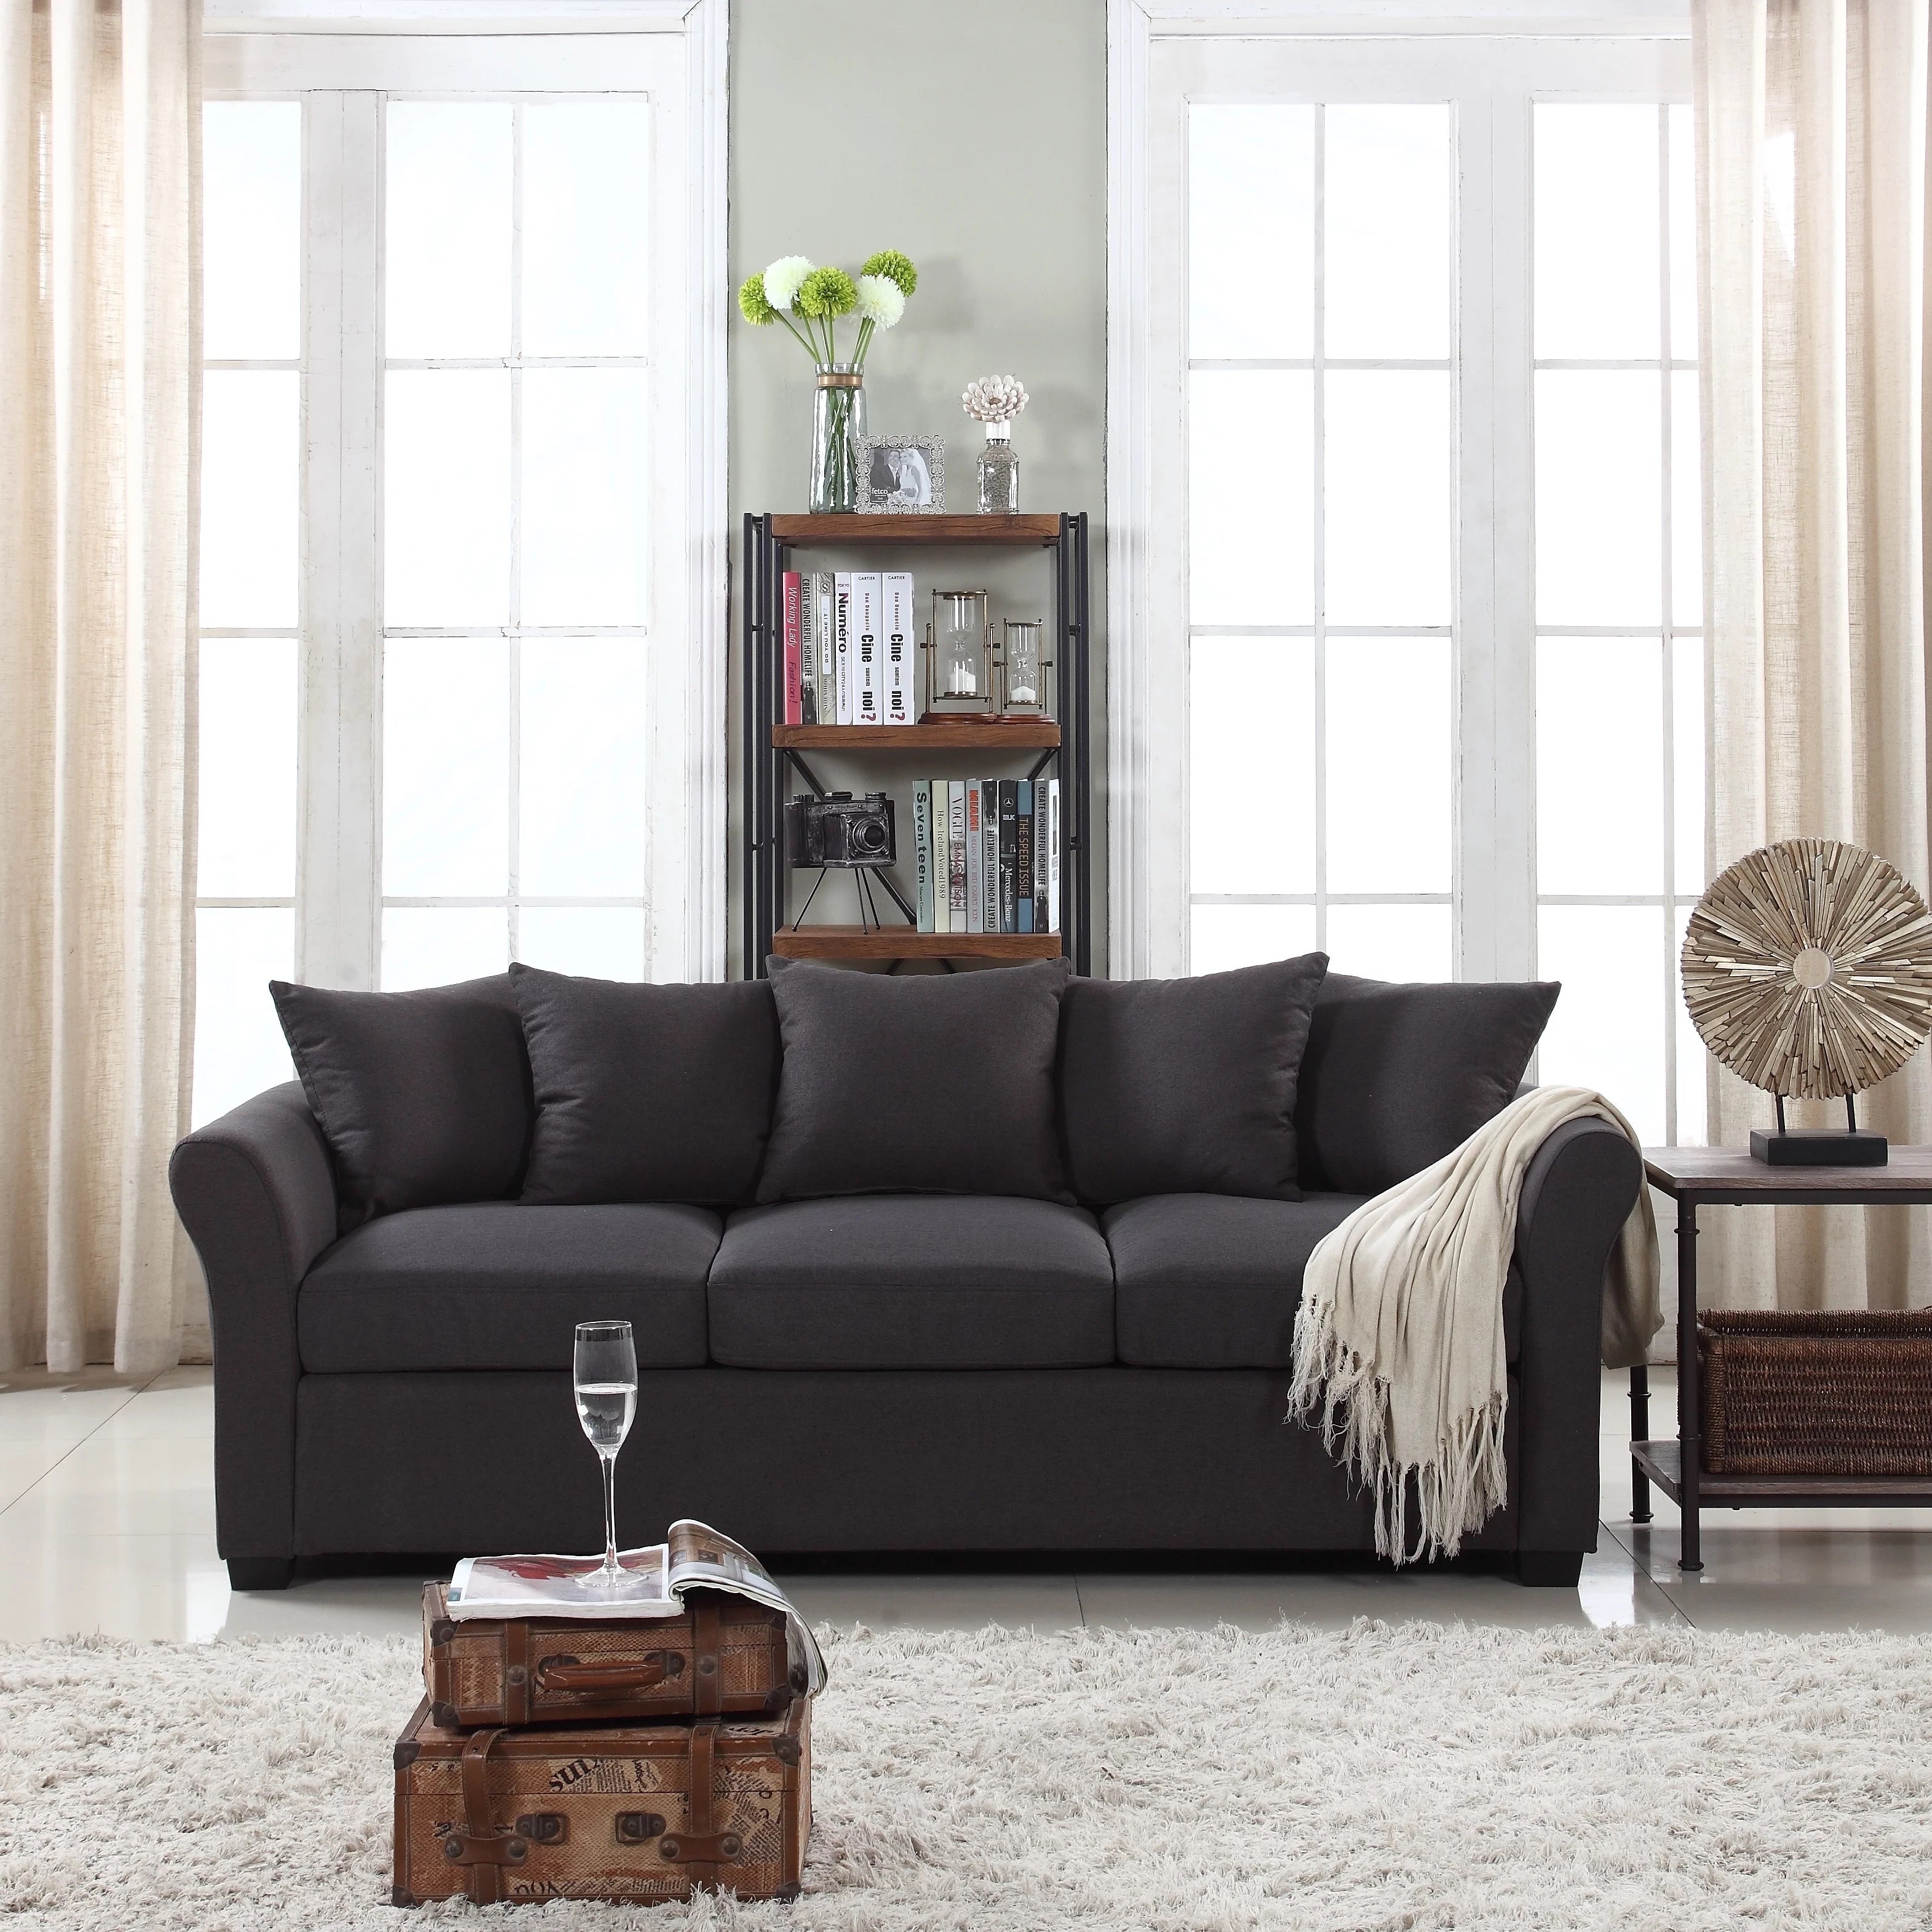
(901,475)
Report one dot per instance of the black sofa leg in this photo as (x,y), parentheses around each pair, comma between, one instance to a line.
(260,1573)
(1550,1569)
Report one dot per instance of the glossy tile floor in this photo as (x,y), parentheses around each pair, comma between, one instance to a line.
(107,1524)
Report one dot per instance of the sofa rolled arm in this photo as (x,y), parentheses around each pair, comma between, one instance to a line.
(1575,1197)
(256,1193)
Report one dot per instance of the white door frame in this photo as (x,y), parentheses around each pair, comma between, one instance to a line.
(1146,499)
(296,45)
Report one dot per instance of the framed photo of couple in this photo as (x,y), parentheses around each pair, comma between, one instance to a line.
(902,474)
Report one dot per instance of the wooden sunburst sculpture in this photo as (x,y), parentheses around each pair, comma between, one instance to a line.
(1807,970)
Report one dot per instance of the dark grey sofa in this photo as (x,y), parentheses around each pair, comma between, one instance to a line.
(882,1373)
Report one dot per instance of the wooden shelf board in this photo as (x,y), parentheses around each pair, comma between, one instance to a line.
(901,942)
(1662,1462)
(967,736)
(875,529)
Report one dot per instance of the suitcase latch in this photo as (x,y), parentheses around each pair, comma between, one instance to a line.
(715,1848)
(544,1827)
(638,1828)
(490,1848)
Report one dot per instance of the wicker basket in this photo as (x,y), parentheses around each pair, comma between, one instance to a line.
(1816,1395)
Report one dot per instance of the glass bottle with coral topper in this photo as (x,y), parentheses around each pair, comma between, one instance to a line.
(999,472)
(995,400)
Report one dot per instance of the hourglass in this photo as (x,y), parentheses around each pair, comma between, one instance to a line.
(958,668)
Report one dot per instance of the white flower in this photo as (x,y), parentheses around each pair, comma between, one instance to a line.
(994,399)
(783,277)
(879,301)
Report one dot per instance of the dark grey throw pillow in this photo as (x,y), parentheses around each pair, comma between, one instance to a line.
(423,1097)
(1396,1075)
(925,1085)
(646,1093)
(1186,1086)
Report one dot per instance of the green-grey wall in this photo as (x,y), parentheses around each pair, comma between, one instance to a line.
(972,135)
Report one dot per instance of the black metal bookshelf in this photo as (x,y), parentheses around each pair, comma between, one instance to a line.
(771,750)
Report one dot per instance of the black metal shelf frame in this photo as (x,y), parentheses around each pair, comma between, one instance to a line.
(762,772)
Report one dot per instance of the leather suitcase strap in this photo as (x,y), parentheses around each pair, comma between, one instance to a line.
(516,1672)
(707,1676)
(485,1847)
(698,1844)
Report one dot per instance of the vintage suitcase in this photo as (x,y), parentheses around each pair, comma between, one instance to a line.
(644,1812)
(724,1653)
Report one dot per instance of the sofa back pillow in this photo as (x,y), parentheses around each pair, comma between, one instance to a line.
(424,1097)
(925,1085)
(646,1093)
(1396,1075)
(1186,1086)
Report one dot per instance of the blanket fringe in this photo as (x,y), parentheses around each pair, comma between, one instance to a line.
(1457,1491)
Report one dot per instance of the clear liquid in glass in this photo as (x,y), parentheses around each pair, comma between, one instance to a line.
(606,1409)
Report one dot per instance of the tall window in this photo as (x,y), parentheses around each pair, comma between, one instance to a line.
(1422,512)
(1319,520)
(250,593)
(516,499)
(449,670)
(1619,595)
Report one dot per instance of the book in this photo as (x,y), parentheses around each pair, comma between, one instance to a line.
(808,653)
(824,590)
(793,602)
(942,896)
(868,681)
(1041,846)
(955,855)
(841,644)
(922,851)
(900,675)
(1023,858)
(989,866)
(1052,851)
(693,1556)
(1009,807)
(976,859)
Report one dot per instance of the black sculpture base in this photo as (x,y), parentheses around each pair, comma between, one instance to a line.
(1818,1147)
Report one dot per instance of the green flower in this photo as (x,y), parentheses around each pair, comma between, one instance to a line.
(895,267)
(825,293)
(752,303)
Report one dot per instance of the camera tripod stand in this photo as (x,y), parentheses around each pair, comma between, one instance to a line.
(869,920)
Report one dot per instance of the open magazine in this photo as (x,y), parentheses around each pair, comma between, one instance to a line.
(693,1556)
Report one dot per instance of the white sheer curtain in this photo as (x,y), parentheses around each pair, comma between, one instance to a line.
(99,297)
(1811,231)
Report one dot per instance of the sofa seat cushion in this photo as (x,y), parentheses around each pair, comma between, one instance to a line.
(496,1285)
(912,1281)
(1209,1281)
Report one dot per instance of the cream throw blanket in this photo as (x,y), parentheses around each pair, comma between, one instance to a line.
(1399,1341)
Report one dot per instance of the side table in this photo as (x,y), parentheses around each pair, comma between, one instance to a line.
(1696,1178)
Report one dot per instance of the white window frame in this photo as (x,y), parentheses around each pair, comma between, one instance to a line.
(1303,49)
(340,59)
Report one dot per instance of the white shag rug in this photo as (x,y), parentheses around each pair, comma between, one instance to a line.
(1362,1780)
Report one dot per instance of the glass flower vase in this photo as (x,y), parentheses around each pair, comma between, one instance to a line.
(838,429)
(999,473)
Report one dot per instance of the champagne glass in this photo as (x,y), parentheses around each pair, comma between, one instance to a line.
(606,1376)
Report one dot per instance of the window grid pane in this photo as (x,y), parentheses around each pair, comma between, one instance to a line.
(1278,504)
(1619,658)
(251,550)
(559,485)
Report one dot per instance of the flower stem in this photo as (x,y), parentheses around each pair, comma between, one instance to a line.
(803,342)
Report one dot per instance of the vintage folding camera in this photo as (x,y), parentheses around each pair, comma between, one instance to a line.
(839,830)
